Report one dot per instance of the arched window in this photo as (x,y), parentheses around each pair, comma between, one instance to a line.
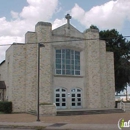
(67,62)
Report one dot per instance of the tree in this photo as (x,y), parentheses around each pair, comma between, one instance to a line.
(94,27)
(116,43)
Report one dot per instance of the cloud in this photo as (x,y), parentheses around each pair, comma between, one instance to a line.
(21,22)
(58,22)
(14,15)
(109,15)
(6,40)
(39,10)
(112,14)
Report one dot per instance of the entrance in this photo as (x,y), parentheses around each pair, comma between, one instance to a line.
(72,99)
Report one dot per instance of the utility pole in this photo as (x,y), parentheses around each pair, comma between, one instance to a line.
(38,79)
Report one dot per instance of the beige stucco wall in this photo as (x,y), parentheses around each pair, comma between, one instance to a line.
(103,75)
(47,110)
(31,76)
(9,73)
(15,74)
(93,69)
(110,80)
(44,33)
(97,69)
(18,90)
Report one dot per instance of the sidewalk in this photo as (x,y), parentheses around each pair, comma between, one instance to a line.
(51,126)
(79,122)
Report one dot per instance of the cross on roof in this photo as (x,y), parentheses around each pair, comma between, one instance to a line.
(68,17)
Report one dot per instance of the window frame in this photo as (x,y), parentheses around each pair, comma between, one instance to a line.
(72,61)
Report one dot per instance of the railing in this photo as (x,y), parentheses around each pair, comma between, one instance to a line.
(122,106)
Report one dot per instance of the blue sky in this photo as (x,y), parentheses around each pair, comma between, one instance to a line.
(19,16)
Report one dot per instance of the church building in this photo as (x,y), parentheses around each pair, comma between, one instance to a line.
(75,70)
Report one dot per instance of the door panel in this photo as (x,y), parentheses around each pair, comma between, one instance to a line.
(76,99)
(60,98)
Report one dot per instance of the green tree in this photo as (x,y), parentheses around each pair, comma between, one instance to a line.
(94,27)
(116,43)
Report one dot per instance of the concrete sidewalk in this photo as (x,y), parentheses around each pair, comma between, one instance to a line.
(50,126)
(79,122)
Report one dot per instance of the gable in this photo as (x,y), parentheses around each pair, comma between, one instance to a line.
(64,31)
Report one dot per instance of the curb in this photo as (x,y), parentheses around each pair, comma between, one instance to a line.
(23,127)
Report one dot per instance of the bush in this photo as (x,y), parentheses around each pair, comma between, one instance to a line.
(5,106)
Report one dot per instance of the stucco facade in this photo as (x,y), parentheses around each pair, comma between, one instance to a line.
(93,87)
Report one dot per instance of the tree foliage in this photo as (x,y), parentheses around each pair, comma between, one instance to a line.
(116,43)
(94,27)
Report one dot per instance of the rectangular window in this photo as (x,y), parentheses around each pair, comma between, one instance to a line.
(67,62)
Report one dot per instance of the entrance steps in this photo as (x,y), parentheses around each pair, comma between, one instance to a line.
(87,112)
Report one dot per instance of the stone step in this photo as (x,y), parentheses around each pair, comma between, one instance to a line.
(88,112)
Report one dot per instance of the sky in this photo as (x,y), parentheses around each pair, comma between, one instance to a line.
(19,16)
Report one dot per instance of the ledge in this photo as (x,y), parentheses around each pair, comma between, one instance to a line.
(48,110)
(43,24)
(72,76)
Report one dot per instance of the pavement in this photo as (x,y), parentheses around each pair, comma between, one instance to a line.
(78,122)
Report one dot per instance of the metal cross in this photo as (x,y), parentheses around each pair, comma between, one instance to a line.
(68,17)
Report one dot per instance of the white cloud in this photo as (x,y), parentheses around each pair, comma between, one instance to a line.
(6,40)
(14,30)
(39,10)
(109,15)
(58,22)
(14,15)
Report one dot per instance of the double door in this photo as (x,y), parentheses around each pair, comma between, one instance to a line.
(66,100)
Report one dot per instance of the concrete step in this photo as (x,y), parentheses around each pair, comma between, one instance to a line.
(88,112)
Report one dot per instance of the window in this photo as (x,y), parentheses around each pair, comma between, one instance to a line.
(67,62)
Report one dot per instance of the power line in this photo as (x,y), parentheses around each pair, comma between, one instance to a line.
(78,39)
(6,44)
(51,42)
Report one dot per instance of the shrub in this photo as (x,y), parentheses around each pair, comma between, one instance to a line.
(5,106)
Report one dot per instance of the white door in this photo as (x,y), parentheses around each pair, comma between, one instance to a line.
(60,98)
(76,98)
